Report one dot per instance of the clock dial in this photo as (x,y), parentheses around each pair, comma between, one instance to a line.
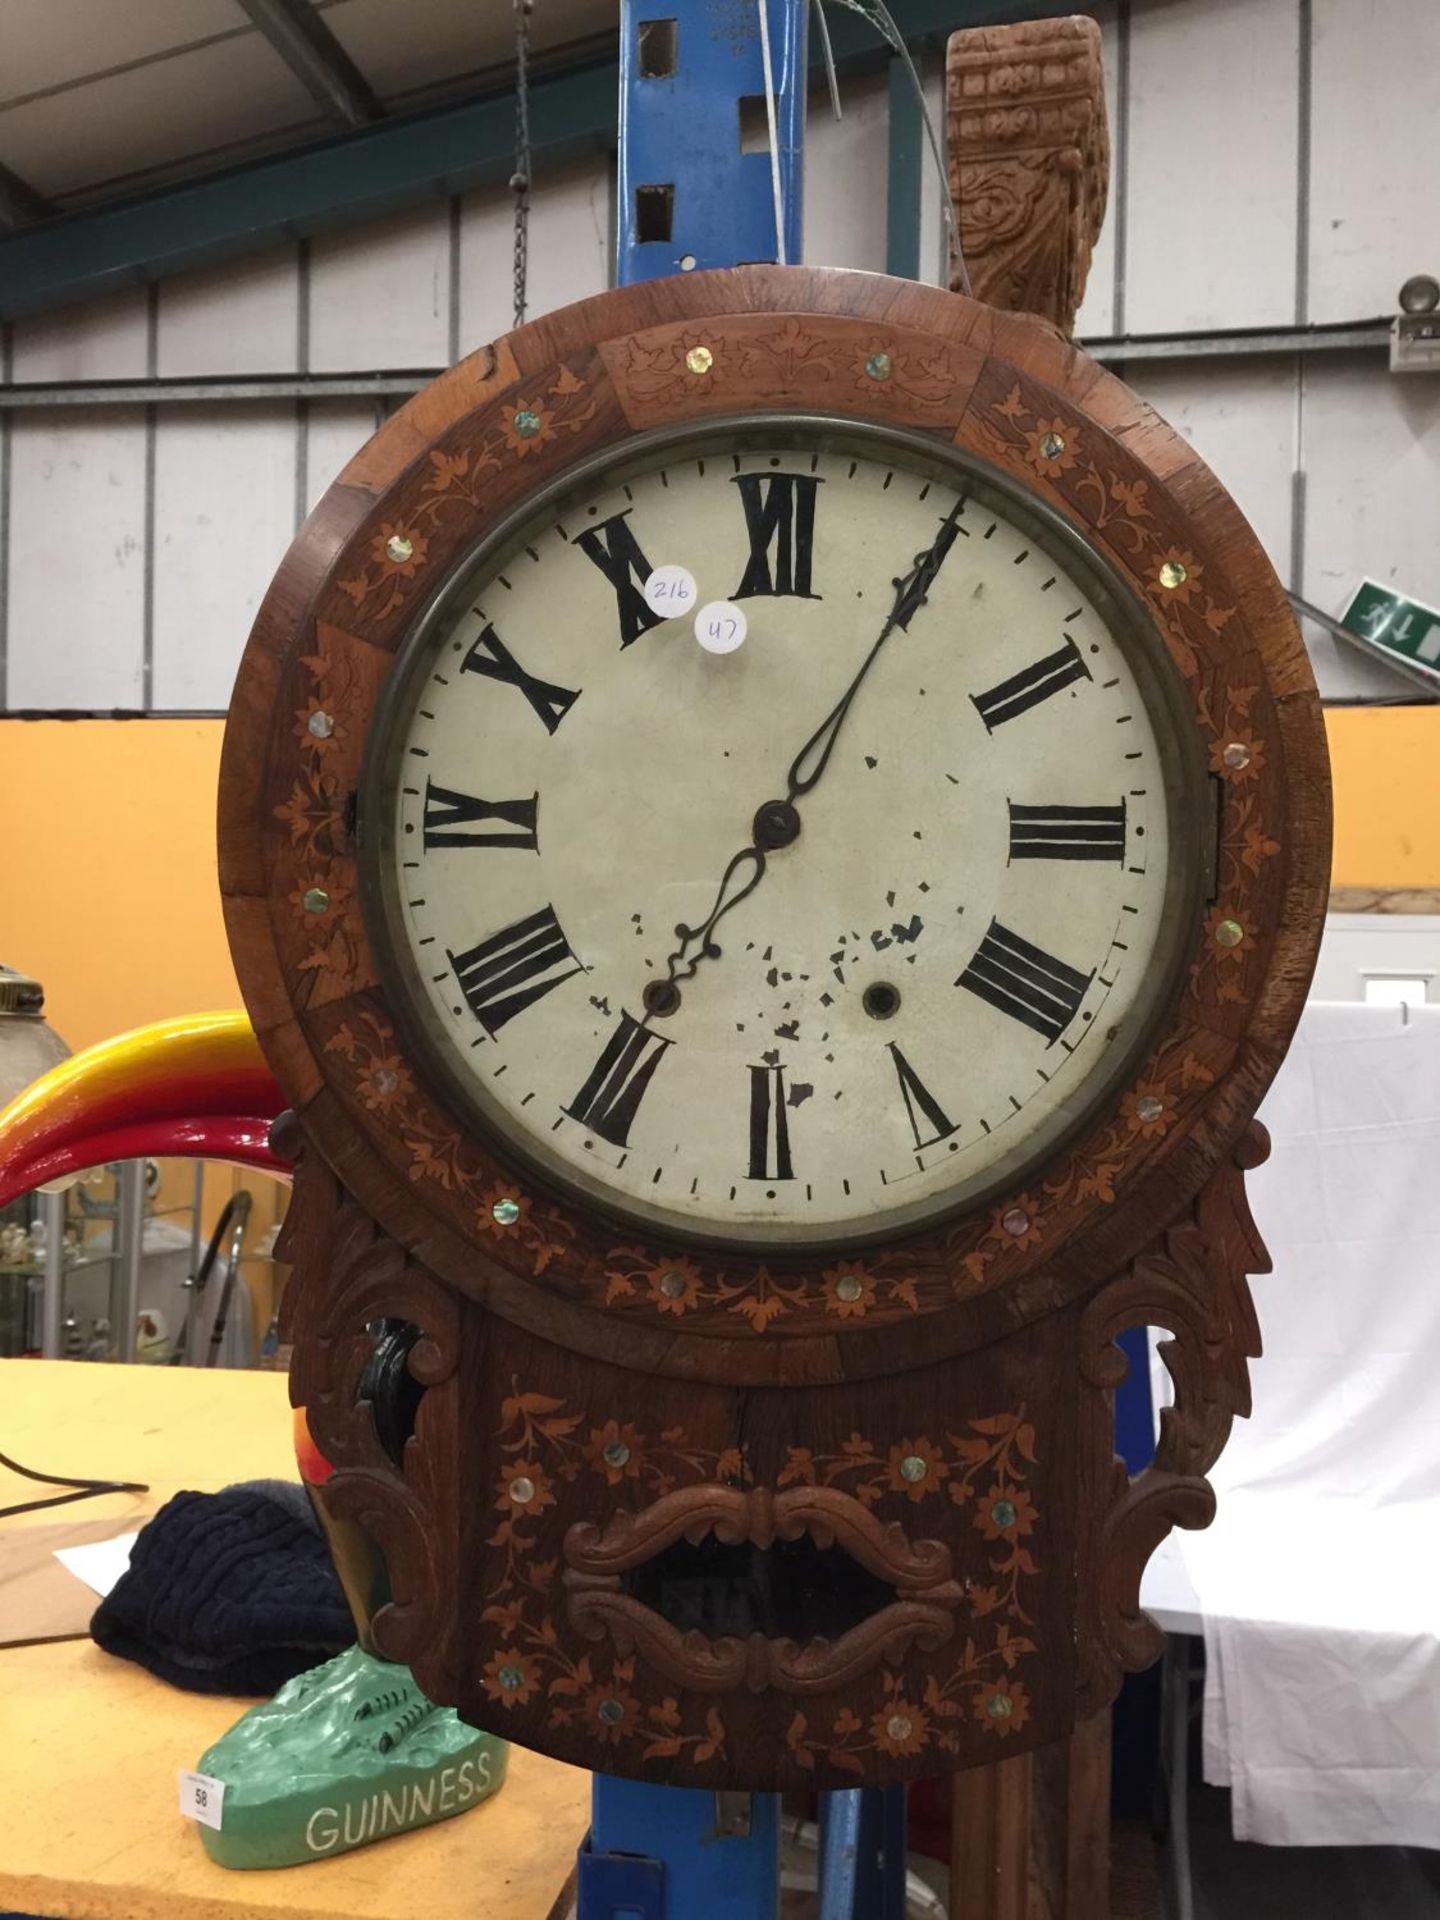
(813,939)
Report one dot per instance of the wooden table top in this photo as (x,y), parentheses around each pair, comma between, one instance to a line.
(90,1745)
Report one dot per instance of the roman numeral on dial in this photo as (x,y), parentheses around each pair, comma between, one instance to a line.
(611,1096)
(769,1126)
(1032,986)
(780,523)
(491,657)
(1030,686)
(920,1104)
(1067,833)
(616,552)
(449,816)
(514,968)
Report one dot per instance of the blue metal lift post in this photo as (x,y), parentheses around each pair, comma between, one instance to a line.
(697,184)
(701,186)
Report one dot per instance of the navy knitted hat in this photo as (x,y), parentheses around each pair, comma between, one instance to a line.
(230,1592)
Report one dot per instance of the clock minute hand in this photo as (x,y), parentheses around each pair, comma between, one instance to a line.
(777,823)
(911,592)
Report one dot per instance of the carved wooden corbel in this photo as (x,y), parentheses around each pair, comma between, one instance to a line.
(1029,148)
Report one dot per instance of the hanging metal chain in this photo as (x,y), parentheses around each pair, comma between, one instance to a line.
(520,178)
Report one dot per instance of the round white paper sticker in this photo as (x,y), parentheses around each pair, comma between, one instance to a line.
(671,590)
(720,626)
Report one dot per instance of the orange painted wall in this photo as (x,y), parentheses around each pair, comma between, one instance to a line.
(108,889)
(1385,762)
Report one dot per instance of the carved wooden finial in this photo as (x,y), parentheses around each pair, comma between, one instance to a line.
(1029,151)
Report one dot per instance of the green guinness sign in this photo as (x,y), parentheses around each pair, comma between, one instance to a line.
(348,1753)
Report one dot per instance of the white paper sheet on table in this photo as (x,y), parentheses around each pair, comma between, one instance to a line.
(100,1563)
(1320,1580)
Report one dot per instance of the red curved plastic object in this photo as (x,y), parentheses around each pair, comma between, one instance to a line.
(246,1142)
(196,1087)
(315,1469)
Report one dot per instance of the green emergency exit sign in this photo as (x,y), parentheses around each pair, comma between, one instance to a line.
(1404,632)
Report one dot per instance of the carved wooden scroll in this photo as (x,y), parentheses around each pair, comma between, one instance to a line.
(1029,161)
(760,1516)
(758,1662)
(1194,1284)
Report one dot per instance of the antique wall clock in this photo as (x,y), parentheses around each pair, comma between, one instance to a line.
(774,831)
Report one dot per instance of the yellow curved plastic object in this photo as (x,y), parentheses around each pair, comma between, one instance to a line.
(197,1084)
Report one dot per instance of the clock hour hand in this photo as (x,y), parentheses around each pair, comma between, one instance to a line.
(911,592)
(738,882)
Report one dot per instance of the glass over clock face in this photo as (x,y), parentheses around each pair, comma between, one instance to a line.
(812,940)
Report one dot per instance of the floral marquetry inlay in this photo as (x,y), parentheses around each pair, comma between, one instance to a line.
(740,1098)
(796,363)
(1026,428)
(400,554)
(981,1475)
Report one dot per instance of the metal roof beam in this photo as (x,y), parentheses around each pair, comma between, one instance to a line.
(377,170)
(20,205)
(346,182)
(307,46)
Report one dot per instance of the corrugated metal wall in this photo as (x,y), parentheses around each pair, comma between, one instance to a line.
(1274,168)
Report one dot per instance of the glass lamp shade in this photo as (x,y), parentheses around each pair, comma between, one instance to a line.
(29,1046)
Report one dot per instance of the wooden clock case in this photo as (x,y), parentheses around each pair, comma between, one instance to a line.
(577,1402)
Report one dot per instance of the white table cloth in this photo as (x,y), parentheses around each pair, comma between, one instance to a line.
(1320,1579)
